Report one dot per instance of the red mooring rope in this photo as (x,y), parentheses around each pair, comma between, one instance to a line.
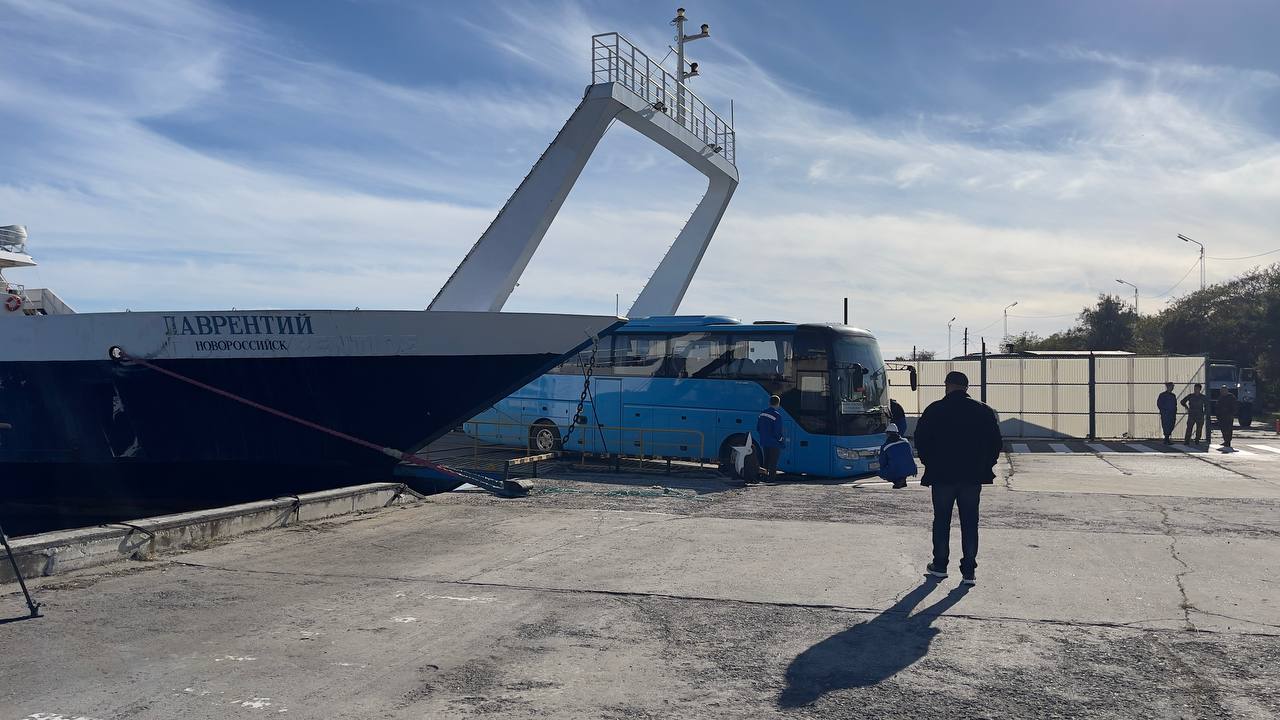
(119,354)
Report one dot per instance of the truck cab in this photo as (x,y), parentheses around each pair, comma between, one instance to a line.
(1247,394)
(1224,375)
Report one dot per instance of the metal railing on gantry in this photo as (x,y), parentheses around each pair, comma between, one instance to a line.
(616,59)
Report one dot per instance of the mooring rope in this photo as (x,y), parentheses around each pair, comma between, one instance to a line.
(118,354)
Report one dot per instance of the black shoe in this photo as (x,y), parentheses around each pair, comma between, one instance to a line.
(968,579)
(933,572)
(899,484)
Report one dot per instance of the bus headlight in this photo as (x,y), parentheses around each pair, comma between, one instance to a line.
(855,453)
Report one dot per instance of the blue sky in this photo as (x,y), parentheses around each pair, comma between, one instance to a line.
(924,159)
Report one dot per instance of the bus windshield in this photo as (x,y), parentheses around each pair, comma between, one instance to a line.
(1222,373)
(868,392)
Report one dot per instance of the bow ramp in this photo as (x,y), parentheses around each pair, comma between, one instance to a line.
(629,86)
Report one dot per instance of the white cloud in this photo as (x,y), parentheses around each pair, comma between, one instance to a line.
(358,191)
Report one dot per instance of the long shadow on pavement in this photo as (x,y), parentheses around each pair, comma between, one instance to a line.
(868,652)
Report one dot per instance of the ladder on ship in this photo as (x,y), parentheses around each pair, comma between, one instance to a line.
(629,86)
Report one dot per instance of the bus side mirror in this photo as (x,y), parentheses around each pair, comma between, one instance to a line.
(911,370)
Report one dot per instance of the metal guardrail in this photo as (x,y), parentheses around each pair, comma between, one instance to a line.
(616,59)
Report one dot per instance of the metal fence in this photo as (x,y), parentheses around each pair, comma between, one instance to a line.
(1067,397)
(616,59)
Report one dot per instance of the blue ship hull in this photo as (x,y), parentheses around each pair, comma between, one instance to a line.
(99,431)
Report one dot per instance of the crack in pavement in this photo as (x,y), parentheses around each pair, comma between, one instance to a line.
(1186,605)
(1135,625)
(1223,467)
(1008,478)
(1117,467)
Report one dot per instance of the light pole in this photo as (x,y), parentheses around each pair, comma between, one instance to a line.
(1006,321)
(949,337)
(1135,294)
(681,75)
(1187,239)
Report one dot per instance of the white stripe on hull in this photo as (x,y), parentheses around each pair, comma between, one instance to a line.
(241,334)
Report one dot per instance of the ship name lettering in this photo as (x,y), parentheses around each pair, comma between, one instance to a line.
(299,324)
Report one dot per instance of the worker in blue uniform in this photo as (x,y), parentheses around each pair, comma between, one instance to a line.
(896,461)
(769,428)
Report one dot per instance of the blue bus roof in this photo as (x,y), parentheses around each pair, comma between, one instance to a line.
(668,323)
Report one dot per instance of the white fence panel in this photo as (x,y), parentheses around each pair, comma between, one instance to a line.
(1056,397)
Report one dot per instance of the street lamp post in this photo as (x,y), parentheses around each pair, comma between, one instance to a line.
(1135,294)
(1184,238)
(1006,321)
(949,337)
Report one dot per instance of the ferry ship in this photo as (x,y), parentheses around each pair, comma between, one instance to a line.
(243,404)
(77,423)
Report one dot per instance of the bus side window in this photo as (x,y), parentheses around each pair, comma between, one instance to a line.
(698,355)
(576,364)
(761,357)
(639,355)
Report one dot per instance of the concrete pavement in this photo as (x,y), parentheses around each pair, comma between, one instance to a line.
(1138,587)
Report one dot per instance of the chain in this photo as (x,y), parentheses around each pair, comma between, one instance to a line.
(586,388)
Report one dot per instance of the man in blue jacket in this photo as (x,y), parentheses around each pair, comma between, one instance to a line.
(958,440)
(896,463)
(769,428)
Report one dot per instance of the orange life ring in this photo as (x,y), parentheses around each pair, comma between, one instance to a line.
(13,302)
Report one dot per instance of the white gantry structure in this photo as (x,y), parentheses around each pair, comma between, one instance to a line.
(629,86)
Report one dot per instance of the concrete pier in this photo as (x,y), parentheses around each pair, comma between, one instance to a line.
(1134,586)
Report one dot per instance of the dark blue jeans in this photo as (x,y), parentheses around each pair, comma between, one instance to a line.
(771,455)
(966,497)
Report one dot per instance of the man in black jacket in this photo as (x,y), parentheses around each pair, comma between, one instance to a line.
(958,440)
(1167,404)
(898,416)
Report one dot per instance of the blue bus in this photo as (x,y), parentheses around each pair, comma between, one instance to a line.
(692,387)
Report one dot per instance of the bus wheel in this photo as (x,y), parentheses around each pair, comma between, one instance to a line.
(544,437)
(727,466)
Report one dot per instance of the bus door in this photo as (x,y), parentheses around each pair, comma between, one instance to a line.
(602,433)
(811,451)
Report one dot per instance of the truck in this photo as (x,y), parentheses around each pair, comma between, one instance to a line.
(1248,395)
(1226,375)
